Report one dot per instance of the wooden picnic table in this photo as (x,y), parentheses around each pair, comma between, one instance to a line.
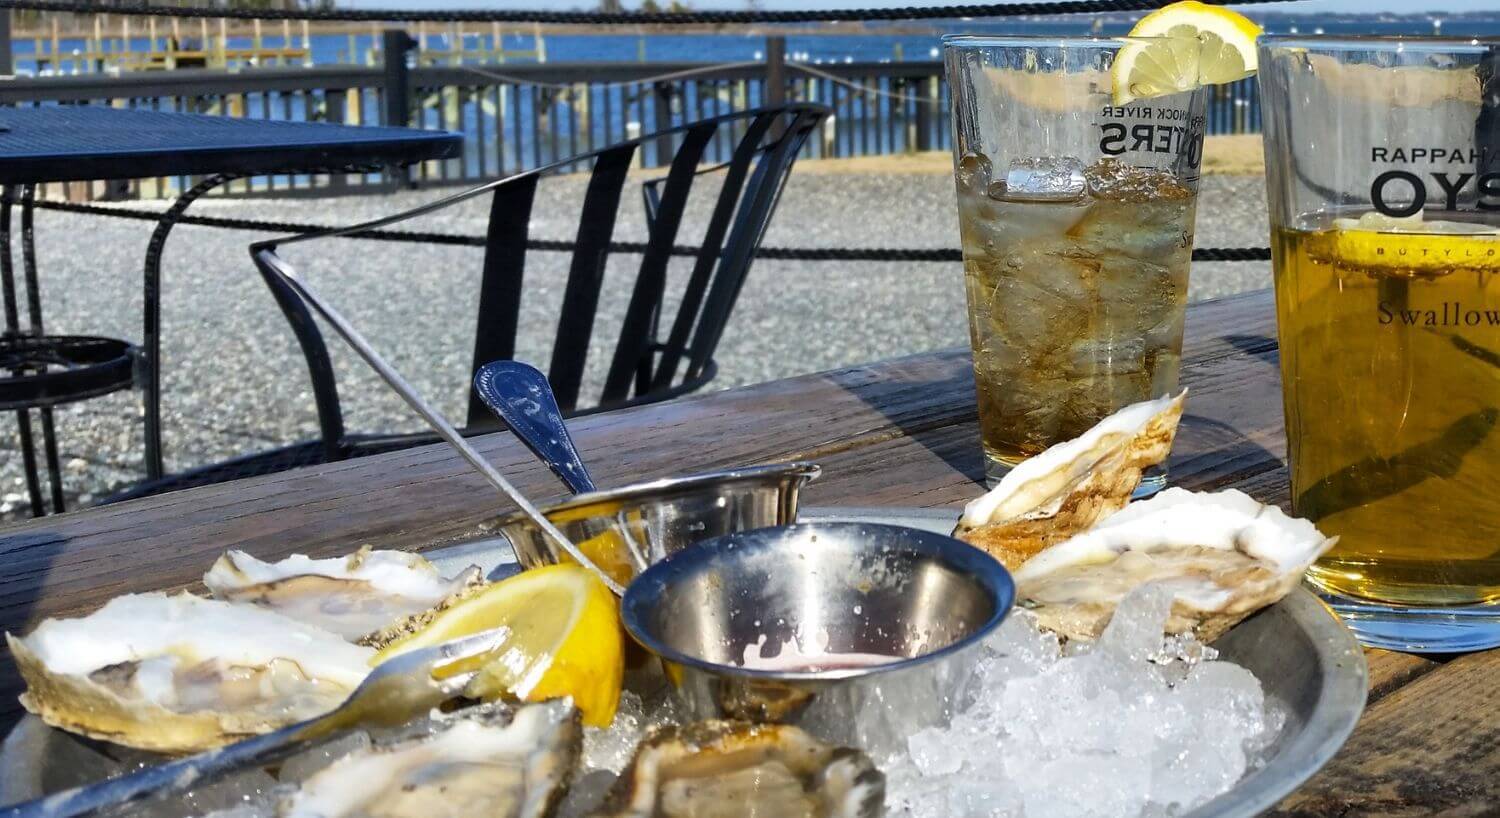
(897,433)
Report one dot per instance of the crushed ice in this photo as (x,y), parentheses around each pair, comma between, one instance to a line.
(1136,724)
(1131,725)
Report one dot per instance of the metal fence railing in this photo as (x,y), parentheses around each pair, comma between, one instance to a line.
(517,116)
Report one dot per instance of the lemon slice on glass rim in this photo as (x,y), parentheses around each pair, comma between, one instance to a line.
(1183,46)
(564,640)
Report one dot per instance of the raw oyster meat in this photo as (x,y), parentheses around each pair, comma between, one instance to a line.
(727,769)
(181,673)
(353,596)
(469,767)
(1224,555)
(1072,485)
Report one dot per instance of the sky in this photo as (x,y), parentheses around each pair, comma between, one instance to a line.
(1310,6)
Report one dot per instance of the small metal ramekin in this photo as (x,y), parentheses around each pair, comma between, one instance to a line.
(836,587)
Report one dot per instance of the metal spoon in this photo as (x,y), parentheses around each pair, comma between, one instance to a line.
(268,261)
(520,394)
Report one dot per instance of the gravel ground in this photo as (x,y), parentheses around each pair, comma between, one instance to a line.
(234,381)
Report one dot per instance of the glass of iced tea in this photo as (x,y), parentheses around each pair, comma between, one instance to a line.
(1076,209)
(1383,167)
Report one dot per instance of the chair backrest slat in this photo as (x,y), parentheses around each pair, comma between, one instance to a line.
(500,284)
(650,284)
(765,143)
(596,227)
(709,252)
(750,225)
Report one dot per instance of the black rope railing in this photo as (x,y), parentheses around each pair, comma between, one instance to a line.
(545,245)
(142,7)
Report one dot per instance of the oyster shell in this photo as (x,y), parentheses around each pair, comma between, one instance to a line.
(182,673)
(727,769)
(467,768)
(352,596)
(1072,485)
(1224,555)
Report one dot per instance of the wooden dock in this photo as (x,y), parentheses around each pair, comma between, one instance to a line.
(115,46)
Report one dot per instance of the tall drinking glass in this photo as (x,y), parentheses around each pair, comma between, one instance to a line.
(1076,214)
(1383,170)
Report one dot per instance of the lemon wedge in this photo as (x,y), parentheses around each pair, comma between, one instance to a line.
(564,640)
(1386,245)
(1200,45)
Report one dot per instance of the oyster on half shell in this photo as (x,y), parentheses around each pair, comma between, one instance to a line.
(181,673)
(1072,485)
(1224,555)
(468,767)
(353,596)
(727,769)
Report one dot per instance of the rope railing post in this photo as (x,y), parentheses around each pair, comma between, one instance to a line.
(774,92)
(775,71)
(927,99)
(7,64)
(661,106)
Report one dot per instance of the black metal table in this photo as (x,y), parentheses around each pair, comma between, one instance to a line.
(91,143)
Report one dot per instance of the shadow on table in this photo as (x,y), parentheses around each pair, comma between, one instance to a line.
(1209,455)
(1260,347)
(937,412)
(26,559)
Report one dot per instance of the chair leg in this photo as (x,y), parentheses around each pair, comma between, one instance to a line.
(28,461)
(151,343)
(54,467)
(13,327)
(34,314)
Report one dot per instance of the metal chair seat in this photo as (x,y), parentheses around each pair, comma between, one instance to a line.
(49,370)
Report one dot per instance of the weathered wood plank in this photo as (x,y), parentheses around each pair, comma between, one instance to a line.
(1430,747)
(1390,670)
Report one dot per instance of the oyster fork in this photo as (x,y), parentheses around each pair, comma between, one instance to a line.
(394,692)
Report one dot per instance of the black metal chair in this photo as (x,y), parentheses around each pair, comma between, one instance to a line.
(645,367)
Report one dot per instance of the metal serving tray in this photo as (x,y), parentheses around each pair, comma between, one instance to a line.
(1304,656)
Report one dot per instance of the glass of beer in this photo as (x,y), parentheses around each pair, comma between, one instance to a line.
(1383,172)
(1075,208)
